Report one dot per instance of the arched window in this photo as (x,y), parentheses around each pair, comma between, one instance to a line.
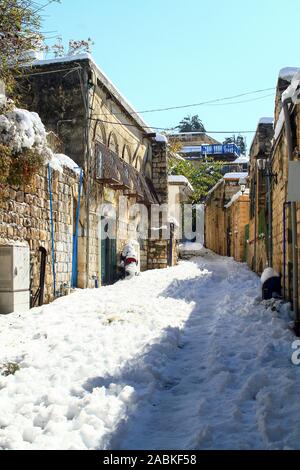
(138,163)
(126,154)
(147,163)
(148,170)
(100,133)
(113,143)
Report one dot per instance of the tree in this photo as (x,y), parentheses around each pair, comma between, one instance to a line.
(191,124)
(20,33)
(239,141)
(202,178)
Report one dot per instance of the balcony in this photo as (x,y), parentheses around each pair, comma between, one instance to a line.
(119,175)
(217,150)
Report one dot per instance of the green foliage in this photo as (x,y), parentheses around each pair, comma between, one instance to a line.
(20,22)
(18,169)
(239,141)
(5,160)
(191,124)
(202,178)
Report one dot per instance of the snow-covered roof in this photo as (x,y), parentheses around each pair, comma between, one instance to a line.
(180,179)
(266,120)
(287,73)
(242,159)
(210,192)
(235,176)
(291,93)
(161,138)
(236,196)
(103,78)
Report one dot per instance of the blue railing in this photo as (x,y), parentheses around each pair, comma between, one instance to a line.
(215,149)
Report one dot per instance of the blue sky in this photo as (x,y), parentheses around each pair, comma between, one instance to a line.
(165,53)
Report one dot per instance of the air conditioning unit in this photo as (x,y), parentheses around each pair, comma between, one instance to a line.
(14,278)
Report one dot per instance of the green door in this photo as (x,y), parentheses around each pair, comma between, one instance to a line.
(108,254)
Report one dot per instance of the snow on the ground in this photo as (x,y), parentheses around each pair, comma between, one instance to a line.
(183,358)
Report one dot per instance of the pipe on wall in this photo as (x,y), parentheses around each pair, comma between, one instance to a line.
(288,132)
(285,206)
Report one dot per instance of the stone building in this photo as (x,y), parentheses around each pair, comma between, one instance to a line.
(124,162)
(198,146)
(274,233)
(286,147)
(118,178)
(237,220)
(258,233)
(218,229)
(25,217)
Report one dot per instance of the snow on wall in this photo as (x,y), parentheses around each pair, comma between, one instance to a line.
(161,138)
(21,129)
(236,197)
(279,125)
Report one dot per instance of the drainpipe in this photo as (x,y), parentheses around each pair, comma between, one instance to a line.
(88,182)
(288,131)
(270,231)
(285,206)
(255,221)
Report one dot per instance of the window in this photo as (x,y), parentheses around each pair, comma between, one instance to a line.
(99,161)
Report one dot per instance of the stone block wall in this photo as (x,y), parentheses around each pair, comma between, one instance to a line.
(238,217)
(257,256)
(158,247)
(25,216)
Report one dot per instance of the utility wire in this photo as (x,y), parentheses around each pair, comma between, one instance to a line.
(170,128)
(244,101)
(201,103)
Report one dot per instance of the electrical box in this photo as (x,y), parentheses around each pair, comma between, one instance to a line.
(14,278)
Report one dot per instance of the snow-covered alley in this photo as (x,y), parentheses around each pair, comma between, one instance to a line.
(183,358)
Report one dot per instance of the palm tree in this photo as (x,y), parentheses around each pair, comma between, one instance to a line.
(191,124)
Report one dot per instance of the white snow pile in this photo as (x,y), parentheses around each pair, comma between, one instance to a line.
(2,100)
(268,274)
(236,196)
(182,358)
(87,360)
(161,138)
(21,129)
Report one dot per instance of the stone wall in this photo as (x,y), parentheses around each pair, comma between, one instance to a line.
(54,91)
(237,216)
(216,236)
(158,245)
(279,197)
(25,216)
(257,256)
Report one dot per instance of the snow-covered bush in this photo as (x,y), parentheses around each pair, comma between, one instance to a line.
(24,147)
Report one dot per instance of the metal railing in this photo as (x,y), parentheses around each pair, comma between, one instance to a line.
(214,149)
(118,174)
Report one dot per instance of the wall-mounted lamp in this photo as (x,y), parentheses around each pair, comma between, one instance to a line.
(243,184)
(263,165)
